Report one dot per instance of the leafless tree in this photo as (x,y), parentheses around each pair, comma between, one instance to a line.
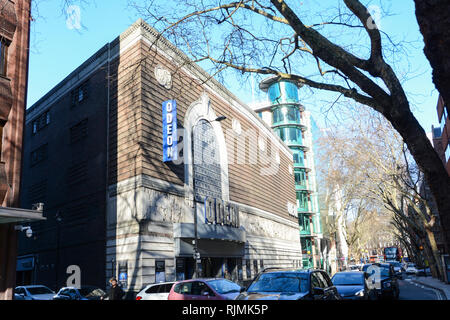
(287,39)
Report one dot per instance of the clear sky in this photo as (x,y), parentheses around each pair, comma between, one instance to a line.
(57,49)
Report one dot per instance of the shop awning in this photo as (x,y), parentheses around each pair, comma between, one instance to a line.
(14,215)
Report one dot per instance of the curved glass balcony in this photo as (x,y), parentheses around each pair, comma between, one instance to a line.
(290,135)
(286,114)
(283,91)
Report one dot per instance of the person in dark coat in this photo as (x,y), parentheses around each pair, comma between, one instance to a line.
(115,292)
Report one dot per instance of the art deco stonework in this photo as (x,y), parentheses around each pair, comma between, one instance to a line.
(149,205)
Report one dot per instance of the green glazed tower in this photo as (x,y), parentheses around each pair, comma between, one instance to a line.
(295,126)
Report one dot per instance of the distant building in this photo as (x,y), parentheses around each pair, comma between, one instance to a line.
(14,47)
(121,201)
(441,134)
(295,126)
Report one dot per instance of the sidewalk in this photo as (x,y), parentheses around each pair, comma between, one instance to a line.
(434,283)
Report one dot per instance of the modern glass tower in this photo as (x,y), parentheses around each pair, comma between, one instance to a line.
(295,127)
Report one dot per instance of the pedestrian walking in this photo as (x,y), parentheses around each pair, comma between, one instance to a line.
(115,292)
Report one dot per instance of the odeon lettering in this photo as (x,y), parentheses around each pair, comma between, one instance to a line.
(221,212)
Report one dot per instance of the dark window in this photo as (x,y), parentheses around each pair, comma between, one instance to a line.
(315,281)
(207,172)
(165,288)
(77,173)
(152,289)
(198,287)
(79,131)
(3,58)
(248,269)
(37,191)
(41,122)
(79,94)
(39,154)
(255,265)
(261,264)
(183,288)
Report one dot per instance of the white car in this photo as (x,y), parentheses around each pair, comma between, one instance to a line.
(411,269)
(37,292)
(156,291)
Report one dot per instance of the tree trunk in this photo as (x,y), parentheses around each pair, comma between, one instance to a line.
(428,161)
(435,253)
(434,22)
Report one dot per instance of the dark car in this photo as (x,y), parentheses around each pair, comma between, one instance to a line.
(383,278)
(398,268)
(291,284)
(353,285)
(204,289)
(82,293)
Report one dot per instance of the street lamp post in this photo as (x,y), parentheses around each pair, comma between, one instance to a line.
(197,259)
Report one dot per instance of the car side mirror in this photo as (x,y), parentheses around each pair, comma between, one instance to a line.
(242,289)
(205,293)
(318,291)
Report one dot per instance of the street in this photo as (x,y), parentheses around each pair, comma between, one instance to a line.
(412,291)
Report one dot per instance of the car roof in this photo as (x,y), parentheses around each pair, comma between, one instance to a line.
(267,270)
(350,272)
(159,283)
(33,286)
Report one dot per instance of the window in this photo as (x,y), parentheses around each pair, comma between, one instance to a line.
(39,154)
(298,157)
(79,94)
(41,122)
(3,58)
(183,288)
(160,271)
(255,265)
(79,131)
(300,178)
(248,269)
(286,114)
(302,201)
(261,264)
(152,289)
(290,135)
(274,93)
(280,282)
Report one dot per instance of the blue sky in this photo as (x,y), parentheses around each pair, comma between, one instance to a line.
(56,50)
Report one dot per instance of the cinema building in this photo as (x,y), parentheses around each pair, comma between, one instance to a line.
(144,163)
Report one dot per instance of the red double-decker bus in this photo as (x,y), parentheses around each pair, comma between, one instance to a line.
(392,254)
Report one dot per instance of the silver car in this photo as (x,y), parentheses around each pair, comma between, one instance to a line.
(36,292)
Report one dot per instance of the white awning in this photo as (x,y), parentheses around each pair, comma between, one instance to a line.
(13,215)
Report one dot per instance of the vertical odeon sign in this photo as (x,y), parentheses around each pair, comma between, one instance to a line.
(170,139)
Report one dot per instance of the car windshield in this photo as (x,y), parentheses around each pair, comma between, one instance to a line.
(280,282)
(91,292)
(223,286)
(411,265)
(348,279)
(39,290)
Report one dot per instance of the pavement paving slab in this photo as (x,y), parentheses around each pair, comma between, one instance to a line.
(434,283)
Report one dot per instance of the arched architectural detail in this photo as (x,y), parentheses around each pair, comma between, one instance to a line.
(202,110)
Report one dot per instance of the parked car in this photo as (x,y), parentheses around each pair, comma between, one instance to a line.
(83,293)
(423,272)
(290,284)
(411,268)
(36,292)
(204,289)
(398,268)
(155,291)
(353,285)
(383,277)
